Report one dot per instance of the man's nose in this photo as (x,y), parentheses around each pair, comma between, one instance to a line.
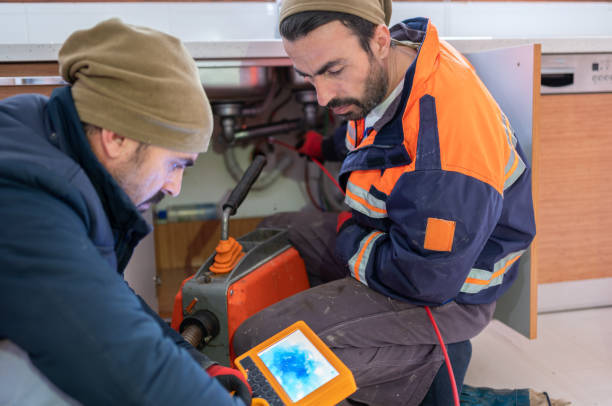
(172,186)
(324,91)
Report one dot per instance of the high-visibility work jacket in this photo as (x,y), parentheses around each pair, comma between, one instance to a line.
(439,187)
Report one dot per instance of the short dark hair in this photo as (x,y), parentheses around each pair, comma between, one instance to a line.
(301,24)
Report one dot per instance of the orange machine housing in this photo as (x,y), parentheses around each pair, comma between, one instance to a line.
(278,278)
(270,270)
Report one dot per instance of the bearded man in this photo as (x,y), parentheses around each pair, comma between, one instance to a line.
(438,193)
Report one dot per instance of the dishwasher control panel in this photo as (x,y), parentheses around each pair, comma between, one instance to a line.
(576,73)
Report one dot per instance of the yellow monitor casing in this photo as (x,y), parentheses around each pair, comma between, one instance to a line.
(295,367)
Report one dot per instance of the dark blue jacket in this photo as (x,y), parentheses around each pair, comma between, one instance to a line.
(67,233)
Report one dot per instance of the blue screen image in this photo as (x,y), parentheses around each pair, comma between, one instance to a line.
(297,365)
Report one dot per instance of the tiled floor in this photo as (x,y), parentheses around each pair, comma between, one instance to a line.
(571,359)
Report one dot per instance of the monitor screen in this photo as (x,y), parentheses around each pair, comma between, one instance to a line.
(297,365)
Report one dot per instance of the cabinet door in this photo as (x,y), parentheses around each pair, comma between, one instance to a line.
(575,243)
(512,75)
(576,191)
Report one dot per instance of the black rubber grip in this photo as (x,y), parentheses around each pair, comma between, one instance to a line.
(243,187)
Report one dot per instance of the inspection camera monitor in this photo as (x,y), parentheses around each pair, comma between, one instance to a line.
(294,367)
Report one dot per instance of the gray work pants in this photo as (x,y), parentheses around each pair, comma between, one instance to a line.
(389,345)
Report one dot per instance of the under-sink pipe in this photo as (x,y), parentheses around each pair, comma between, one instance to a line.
(265,105)
(266,179)
(265,130)
(229,113)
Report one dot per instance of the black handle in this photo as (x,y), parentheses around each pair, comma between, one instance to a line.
(243,187)
(557,79)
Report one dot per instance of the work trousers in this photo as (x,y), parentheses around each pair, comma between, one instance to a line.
(389,345)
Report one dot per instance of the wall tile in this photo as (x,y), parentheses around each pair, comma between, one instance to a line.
(67,18)
(12,28)
(12,8)
(223,21)
(435,11)
(522,20)
(53,22)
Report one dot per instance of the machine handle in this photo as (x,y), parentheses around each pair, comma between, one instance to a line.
(243,187)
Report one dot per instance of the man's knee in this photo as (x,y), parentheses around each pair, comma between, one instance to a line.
(256,329)
(244,337)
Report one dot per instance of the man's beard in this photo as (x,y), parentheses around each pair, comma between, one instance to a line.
(376,87)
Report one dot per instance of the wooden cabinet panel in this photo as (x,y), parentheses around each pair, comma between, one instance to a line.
(8,91)
(575,187)
(27,70)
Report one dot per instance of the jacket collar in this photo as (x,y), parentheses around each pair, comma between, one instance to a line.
(416,30)
(122,215)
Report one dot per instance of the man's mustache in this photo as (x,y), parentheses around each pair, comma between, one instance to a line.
(343,102)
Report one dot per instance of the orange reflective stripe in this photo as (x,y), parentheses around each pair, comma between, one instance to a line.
(361,254)
(494,275)
(514,166)
(359,131)
(369,140)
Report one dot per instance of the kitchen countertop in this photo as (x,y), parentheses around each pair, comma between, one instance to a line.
(273,49)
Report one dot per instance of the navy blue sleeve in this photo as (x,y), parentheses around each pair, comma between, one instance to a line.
(395,261)
(76,317)
(178,339)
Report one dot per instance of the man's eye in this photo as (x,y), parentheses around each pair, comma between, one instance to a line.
(335,72)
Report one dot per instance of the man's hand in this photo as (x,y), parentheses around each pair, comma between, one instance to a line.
(232,380)
(312,145)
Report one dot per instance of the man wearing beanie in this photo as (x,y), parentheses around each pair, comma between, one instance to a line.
(76,171)
(438,194)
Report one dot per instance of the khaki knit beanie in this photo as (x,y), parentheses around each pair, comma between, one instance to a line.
(138,82)
(375,11)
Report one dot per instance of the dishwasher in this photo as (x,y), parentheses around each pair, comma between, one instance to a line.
(575,176)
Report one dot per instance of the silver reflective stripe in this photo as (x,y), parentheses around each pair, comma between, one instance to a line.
(349,146)
(520,165)
(351,139)
(361,200)
(488,278)
(518,171)
(507,128)
(359,262)
(510,161)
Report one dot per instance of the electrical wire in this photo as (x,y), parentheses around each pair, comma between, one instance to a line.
(451,375)
(273,140)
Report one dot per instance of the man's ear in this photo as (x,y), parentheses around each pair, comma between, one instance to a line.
(111,143)
(381,42)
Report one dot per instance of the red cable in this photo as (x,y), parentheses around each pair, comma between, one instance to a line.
(319,164)
(451,375)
